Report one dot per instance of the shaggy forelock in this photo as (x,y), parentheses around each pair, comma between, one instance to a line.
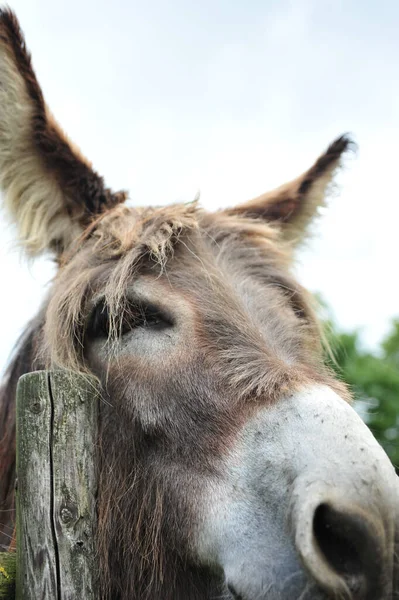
(124,241)
(102,263)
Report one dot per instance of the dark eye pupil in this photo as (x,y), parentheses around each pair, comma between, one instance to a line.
(99,323)
(151,317)
(152,320)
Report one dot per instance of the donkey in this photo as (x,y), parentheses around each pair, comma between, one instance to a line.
(231,463)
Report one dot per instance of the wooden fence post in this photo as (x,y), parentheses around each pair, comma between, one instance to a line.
(56,487)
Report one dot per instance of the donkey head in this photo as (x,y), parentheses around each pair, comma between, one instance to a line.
(231,462)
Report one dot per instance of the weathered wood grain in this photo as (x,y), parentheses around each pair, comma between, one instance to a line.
(74,482)
(37,577)
(56,447)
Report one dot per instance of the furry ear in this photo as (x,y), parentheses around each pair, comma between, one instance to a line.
(50,189)
(294,204)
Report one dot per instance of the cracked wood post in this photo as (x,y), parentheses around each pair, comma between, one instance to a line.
(57,485)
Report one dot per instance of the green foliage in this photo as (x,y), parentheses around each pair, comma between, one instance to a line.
(7,575)
(374,380)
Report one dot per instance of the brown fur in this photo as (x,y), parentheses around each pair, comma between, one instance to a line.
(244,333)
(144,523)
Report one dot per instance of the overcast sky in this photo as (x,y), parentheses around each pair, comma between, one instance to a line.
(230,98)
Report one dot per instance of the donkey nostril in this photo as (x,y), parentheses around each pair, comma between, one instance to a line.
(349,546)
(338,540)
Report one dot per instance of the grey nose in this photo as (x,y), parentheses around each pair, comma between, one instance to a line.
(343,548)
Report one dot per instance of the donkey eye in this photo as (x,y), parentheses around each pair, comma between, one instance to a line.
(134,317)
(151,317)
(99,321)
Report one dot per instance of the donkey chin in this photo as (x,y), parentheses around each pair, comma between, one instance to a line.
(299,515)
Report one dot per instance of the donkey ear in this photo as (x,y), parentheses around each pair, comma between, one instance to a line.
(50,189)
(294,204)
